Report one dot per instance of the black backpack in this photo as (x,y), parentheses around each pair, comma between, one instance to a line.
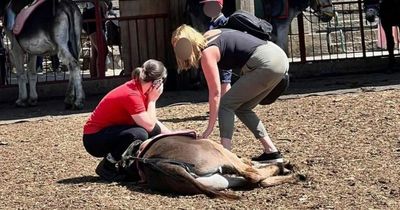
(278,90)
(247,22)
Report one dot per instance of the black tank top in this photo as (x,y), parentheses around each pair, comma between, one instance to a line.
(235,48)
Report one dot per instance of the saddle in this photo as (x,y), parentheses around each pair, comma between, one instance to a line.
(24,14)
(135,152)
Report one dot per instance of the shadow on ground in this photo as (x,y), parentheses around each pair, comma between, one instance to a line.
(55,106)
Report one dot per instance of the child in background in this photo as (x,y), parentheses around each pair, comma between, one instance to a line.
(213,9)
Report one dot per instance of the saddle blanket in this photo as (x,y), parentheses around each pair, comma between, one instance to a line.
(24,14)
(147,144)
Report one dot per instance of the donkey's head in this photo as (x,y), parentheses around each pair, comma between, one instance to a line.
(323,8)
(371,9)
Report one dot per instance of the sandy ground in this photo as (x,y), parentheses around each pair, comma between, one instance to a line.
(348,145)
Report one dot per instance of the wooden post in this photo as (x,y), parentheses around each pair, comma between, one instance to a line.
(101,51)
(142,34)
(247,5)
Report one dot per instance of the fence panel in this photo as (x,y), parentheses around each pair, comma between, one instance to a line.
(348,35)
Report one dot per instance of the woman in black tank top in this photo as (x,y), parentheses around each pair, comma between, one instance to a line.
(261,65)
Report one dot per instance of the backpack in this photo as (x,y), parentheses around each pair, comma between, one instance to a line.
(278,90)
(248,23)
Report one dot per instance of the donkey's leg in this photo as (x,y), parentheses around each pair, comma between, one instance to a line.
(76,82)
(32,76)
(219,182)
(233,164)
(17,55)
(277,180)
(269,170)
(170,177)
(75,96)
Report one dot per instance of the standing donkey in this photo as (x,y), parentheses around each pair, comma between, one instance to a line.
(50,27)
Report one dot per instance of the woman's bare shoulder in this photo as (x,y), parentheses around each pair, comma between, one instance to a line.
(211,33)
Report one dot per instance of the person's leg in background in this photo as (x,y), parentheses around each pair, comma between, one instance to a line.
(95,58)
(55,63)
(2,63)
(226,78)
(39,64)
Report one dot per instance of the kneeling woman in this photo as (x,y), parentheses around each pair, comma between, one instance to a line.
(261,65)
(125,114)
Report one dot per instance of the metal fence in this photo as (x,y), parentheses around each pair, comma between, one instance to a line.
(114,60)
(347,36)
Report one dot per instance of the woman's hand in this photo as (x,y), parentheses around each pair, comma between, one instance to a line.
(207,132)
(155,92)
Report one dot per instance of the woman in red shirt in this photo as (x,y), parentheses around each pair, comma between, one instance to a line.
(125,114)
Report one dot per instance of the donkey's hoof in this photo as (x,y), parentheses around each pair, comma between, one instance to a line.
(301,177)
(68,106)
(78,106)
(32,102)
(73,106)
(21,103)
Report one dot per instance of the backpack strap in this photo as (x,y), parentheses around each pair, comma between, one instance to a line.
(213,37)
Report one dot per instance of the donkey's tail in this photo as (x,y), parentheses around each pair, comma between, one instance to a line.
(172,177)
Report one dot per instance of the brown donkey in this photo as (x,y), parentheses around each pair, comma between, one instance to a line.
(185,165)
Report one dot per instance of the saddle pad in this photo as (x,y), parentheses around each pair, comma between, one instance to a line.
(188,133)
(24,14)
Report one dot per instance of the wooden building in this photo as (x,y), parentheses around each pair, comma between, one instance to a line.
(146,27)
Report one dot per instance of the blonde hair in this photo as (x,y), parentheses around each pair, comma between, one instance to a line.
(198,44)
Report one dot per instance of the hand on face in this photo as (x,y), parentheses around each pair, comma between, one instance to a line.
(155,92)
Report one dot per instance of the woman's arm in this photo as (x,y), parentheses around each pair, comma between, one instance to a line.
(148,119)
(145,121)
(209,60)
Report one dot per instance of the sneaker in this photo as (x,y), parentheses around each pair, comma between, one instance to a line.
(275,157)
(108,171)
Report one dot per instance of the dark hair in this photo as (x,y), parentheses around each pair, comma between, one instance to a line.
(150,71)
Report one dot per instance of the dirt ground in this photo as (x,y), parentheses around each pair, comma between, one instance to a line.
(348,145)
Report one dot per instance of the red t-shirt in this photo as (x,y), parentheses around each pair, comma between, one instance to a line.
(117,107)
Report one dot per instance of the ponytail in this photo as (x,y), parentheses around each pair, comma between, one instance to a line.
(137,73)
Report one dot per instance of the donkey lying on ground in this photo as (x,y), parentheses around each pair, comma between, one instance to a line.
(186,165)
